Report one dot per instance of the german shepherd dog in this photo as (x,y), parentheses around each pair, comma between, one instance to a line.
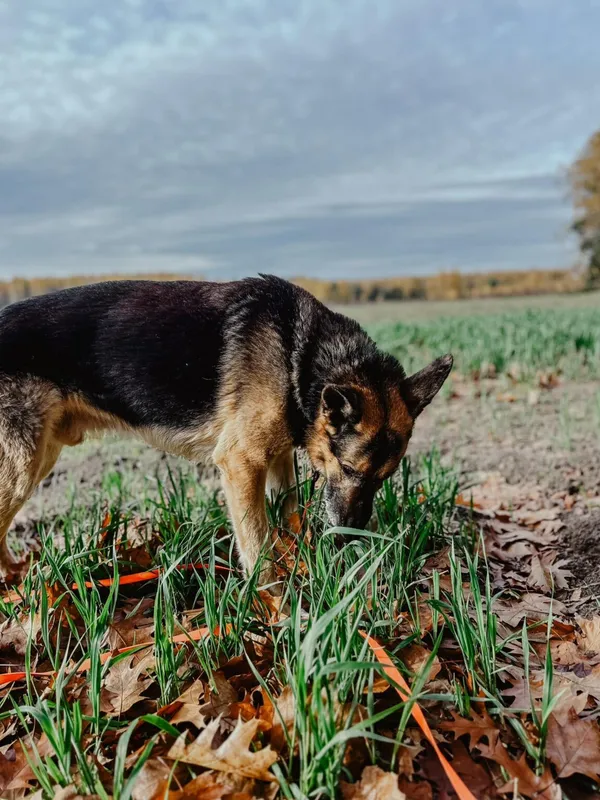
(240,372)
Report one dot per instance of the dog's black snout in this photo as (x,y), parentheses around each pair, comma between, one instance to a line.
(358,521)
(358,517)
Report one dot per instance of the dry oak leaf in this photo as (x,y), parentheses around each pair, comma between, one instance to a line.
(574,748)
(532,518)
(405,758)
(218,702)
(478,726)
(156,781)
(71,793)
(14,634)
(589,640)
(124,682)
(547,573)
(215,785)
(580,679)
(415,656)
(15,770)
(566,694)
(415,790)
(233,756)
(188,703)
(374,784)
(132,624)
(475,775)
(152,780)
(531,606)
(522,778)
(284,719)
(564,653)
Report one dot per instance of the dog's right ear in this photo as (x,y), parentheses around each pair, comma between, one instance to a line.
(420,389)
(341,404)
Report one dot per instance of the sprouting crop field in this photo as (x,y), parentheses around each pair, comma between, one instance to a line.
(518,343)
(137,662)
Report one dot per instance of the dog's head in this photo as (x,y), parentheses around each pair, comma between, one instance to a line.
(361,433)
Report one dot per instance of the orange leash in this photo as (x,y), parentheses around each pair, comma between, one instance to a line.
(180,638)
(393,674)
(126,580)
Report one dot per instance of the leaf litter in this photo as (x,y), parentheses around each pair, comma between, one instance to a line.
(233,729)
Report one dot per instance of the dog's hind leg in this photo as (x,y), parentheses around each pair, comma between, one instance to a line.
(28,450)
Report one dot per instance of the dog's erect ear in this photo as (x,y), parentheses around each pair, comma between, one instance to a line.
(420,389)
(341,404)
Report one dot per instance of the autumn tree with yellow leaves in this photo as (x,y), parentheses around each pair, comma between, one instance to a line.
(585,182)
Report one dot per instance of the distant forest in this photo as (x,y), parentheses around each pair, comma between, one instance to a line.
(444,286)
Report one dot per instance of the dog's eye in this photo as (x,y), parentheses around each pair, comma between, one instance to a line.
(347,470)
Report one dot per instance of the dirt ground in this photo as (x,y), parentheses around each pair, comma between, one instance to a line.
(535,446)
(542,444)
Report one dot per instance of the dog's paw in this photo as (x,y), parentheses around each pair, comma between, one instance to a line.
(12,567)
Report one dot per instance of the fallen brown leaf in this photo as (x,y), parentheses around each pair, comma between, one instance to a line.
(284,719)
(189,709)
(131,624)
(415,790)
(375,784)
(533,518)
(124,686)
(475,775)
(523,779)
(153,780)
(533,607)
(233,756)
(14,634)
(476,727)
(219,701)
(583,680)
(574,748)
(405,758)
(15,770)
(415,656)
(589,639)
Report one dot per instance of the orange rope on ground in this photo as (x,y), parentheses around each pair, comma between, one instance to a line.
(393,674)
(126,580)
(139,577)
(180,638)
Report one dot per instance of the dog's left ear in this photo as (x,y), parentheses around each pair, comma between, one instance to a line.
(420,389)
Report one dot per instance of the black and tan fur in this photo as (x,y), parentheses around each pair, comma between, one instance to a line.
(240,372)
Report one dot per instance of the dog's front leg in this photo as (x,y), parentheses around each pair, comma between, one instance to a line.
(281,478)
(244,485)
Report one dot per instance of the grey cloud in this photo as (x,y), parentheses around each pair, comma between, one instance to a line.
(322,138)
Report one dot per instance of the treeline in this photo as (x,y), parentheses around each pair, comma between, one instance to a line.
(444,286)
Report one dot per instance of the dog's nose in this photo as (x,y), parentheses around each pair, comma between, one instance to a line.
(358,519)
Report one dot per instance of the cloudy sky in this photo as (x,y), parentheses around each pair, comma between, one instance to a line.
(326,137)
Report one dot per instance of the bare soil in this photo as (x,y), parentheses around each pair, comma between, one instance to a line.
(536,445)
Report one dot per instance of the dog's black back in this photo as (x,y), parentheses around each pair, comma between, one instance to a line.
(145,351)
(148,352)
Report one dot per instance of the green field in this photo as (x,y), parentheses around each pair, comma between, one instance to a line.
(481,653)
(522,343)
(429,310)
